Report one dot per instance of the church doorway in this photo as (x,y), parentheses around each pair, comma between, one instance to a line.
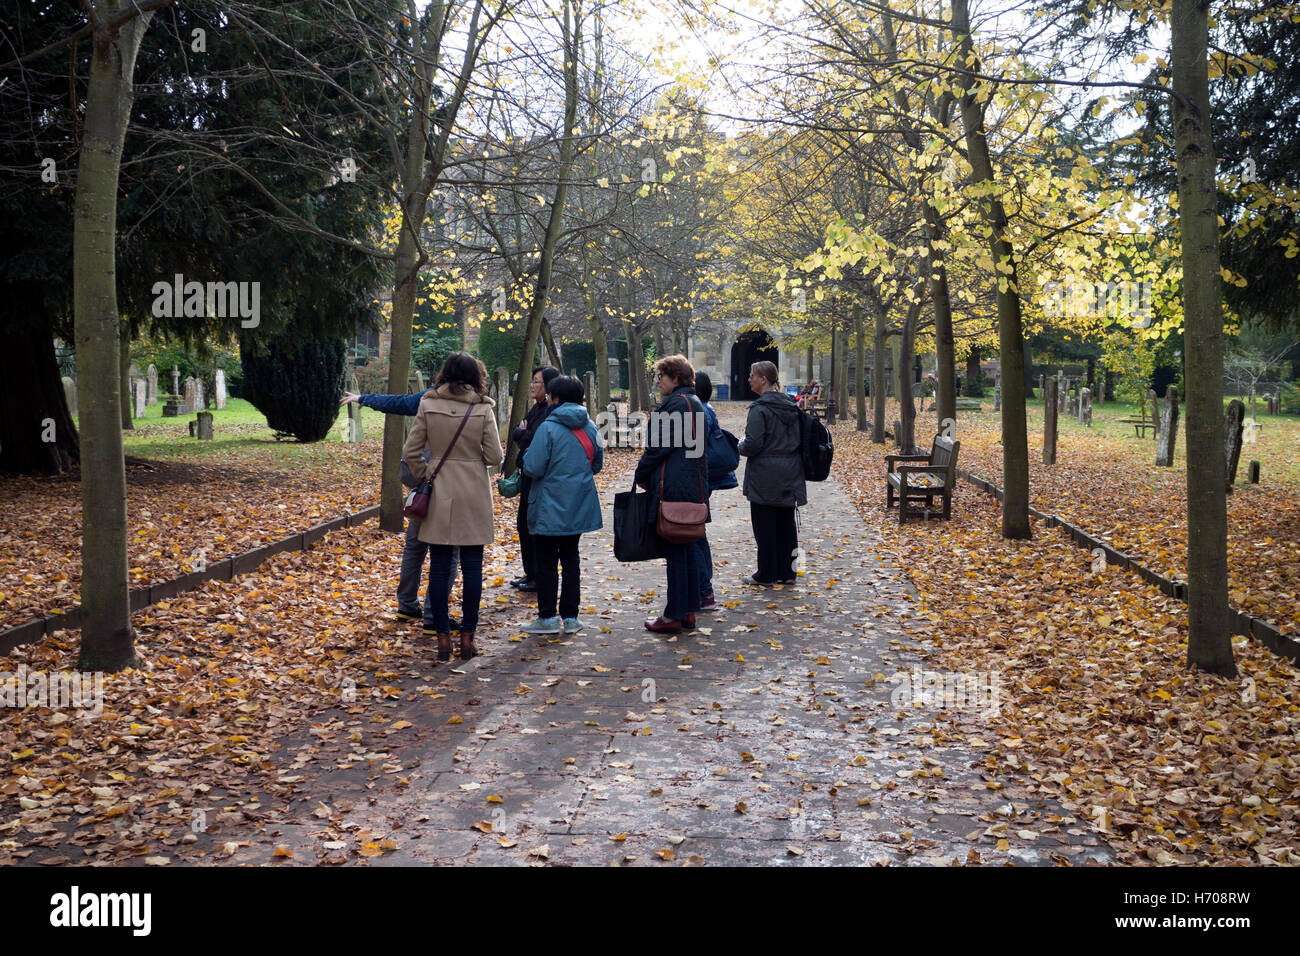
(752,346)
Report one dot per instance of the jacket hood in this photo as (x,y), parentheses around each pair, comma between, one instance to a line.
(570,415)
(779,402)
(467,396)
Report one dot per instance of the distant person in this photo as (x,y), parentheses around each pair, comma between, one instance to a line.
(522,436)
(703,553)
(563,458)
(669,475)
(413,550)
(774,482)
(456,424)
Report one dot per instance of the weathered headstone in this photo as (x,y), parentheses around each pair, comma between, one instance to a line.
(204,422)
(220,387)
(151,381)
(355,431)
(1252,473)
(1050,411)
(139,389)
(1062,391)
(1099,395)
(415,382)
(997,397)
(199,403)
(589,385)
(70,395)
(176,380)
(1168,429)
(194,428)
(503,398)
(1085,407)
(190,396)
(1232,427)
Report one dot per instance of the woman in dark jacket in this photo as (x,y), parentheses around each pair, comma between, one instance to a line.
(675,467)
(703,554)
(522,436)
(774,482)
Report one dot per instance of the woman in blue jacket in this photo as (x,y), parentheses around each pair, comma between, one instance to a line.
(562,459)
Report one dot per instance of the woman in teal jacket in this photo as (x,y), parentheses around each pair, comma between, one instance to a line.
(562,459)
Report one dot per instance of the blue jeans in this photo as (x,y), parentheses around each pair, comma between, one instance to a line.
(442,571)
(704,560)
(408,582)
(683,580)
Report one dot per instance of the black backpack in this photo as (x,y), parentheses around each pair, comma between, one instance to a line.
(816,446)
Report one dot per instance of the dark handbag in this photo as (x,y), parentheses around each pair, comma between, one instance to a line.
(634,536)
(724,454)
(509,487)
(417,502)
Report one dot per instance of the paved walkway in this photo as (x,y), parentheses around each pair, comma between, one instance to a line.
(767,737)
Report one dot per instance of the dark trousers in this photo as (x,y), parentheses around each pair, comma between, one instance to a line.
(413,552)
(442,570)
(683,580)
(551,551)
(527,545)
(704,561)
(777,540)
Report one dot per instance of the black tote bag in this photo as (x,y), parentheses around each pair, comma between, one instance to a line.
(634,534)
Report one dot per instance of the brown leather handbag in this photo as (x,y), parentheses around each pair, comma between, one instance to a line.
(681,522)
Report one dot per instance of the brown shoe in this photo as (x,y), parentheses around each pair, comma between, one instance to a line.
(664,625)
(467,648)
(444,647)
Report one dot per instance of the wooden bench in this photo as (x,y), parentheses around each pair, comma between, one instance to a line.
(817,409)
(919,483)
(1140,425)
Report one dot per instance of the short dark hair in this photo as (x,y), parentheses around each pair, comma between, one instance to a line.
(678,368)
(703,386)
(462,371)
(566,389)
(548,373)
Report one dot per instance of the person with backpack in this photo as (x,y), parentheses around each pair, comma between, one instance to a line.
(774,476)
(563,458)
(723,460)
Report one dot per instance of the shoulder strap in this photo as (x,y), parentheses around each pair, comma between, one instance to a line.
(454,438)
(587,446)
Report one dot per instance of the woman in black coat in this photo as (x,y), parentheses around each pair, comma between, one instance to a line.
(523,437)
(676,471)
(774,481)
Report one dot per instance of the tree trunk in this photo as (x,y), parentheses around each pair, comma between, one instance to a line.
(1011,339)
(37,433)
(407,264)
(879,344)
(107,641)
(945,349)
(1209,644)
(860,339)
(810,364)
(638,396)
(907,407)
(842,376)
(552,347)
(124,367)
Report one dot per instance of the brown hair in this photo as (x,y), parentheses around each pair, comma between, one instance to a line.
(677,368)
(765,369)
(463,372)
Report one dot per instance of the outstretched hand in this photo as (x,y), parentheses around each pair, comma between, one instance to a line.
(349,397)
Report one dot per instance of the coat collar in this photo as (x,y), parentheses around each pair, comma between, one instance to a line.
(466,397)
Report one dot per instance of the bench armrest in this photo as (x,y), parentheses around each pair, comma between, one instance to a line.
(891,460)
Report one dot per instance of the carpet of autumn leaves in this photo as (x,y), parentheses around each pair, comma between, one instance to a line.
(195,501)
(1100,710)
(239,679)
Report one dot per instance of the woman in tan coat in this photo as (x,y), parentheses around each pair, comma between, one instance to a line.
(457,418)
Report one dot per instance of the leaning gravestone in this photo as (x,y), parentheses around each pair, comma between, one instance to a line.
(1168,429)
(204,423)
(140,389)
(1049,421)
(70,395)
(151,381)
(1232,427)
(221,388)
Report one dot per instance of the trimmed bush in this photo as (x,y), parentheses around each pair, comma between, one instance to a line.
(297,387)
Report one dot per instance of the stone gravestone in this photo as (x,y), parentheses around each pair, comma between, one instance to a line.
(204,423)
(1253,473)
(589,384)
(997,397)
(1154,404)
(194,428)
(1050,412)
(221,388)
(1062,391)
(141,389)
(503,399)
(174,405)
(1232,428)
(188,404)
(70,395)
(199,402)
(1168,429)
(151,382)
(1085,407)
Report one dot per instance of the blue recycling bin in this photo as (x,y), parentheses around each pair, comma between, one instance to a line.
(722,390)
